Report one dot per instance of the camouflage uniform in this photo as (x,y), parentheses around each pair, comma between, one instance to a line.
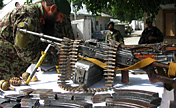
(15,60)
(114,35)
(61,30)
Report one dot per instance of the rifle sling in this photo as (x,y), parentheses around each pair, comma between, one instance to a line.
(95,61)
(138,65)
(172,69)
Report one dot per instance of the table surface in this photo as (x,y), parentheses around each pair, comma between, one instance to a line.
(48,80)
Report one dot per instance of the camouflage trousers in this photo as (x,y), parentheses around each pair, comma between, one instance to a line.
(10,64)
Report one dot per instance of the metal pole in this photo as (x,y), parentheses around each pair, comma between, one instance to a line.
(39,34)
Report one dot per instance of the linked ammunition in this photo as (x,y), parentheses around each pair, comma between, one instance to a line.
(109,70)
(72,52)
(110,66)
(110,59)
(109,81)
(108,85)
(110,63)
(109,78)
(109,74)
(113,52)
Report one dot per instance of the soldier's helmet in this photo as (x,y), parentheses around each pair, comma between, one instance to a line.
(63,6)
(112,23)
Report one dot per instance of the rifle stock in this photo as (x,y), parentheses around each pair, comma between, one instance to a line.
(169,82)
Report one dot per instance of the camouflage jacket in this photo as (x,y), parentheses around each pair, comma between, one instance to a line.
(114,35)
(31,14)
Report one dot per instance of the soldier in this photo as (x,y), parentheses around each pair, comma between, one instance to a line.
(19,50)
(151,34)
(17,4)
(113,34)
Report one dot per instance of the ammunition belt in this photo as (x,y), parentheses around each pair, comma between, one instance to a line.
(69,56)
(67,59)
(110,71)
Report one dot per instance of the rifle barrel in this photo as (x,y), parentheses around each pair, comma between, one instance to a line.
(41,35)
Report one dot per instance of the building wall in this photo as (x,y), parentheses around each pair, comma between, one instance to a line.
(97,24)
(159,22)
(101,23)
(165,20)
(82,29)
(121,28)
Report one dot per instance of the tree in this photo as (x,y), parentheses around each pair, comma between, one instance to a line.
(28,1)
(1,4)
(124,10)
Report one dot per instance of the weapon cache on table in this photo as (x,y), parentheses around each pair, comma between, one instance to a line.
(78,61)
(132,98)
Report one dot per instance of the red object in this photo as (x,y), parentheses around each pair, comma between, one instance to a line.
(143,56)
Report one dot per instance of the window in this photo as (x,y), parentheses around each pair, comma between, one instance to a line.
(96,23)
(101,28)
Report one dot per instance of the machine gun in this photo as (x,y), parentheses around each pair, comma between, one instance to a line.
(118,56)
(78,61)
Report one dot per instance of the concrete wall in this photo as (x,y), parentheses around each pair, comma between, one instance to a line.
(82,29)
(101,23)
(97,24)
(159,22)
(165,23)
(121,28)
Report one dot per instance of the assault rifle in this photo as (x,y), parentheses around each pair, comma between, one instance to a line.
(109,57)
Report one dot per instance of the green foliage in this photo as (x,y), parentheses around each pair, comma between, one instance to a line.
(28,1)
(1,4)
(124,10)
